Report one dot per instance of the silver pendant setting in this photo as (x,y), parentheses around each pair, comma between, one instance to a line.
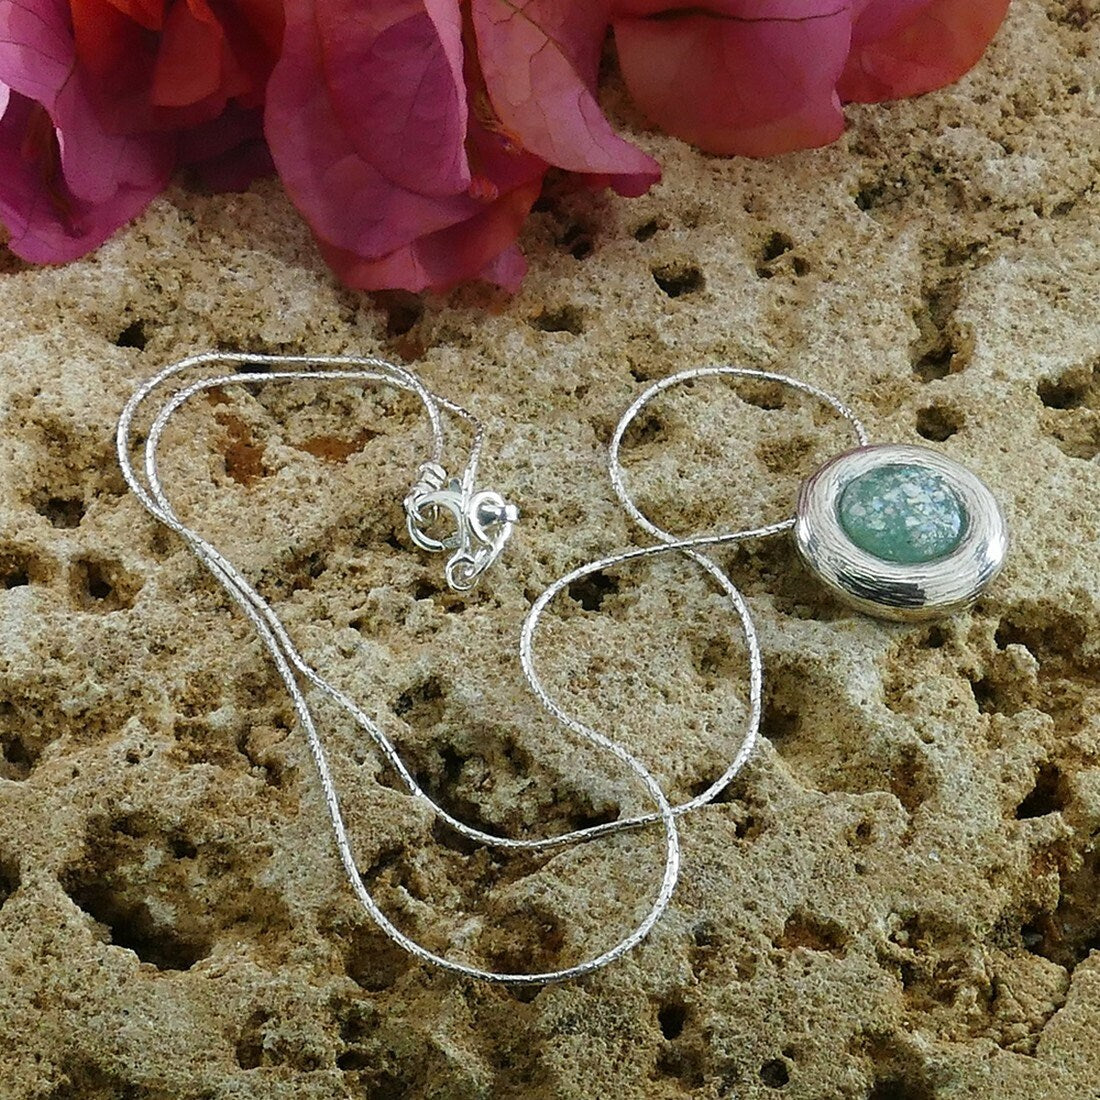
(926,545)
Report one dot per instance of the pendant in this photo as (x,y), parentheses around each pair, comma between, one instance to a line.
(900,532)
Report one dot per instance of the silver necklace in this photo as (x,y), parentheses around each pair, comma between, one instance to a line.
(482,522)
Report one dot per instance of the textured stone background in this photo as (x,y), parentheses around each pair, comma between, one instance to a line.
(897,900)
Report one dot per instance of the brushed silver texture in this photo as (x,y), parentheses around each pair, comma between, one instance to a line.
(896,590)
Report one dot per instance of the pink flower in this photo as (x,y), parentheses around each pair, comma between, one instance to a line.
(66,184)
(761,77)
(414,135)
(101,99)
(906,47)
(415,142)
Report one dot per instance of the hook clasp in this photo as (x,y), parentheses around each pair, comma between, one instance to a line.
(483,523)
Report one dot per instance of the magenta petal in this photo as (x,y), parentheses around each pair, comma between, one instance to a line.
(67,185)
(540,60)
(393,72)
(750,77)
(362,217)
(906,48)
(345,198)
(48,226)
(876,19)
(97,165)
(36,48)
(481,248)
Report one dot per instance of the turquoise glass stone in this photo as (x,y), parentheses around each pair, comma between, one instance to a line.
(902,513)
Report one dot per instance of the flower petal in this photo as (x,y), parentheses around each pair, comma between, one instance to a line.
(922,47)
(189,65)
(483,247)
(67,185)
(540,60)
(350,203)
(47,223)
(750,77)
(393,73)
(35,48)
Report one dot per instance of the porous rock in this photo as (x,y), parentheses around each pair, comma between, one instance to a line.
(897,899)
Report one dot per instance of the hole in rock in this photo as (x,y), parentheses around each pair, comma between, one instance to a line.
(1069,934)
(15,569)
(705,935)
(769,396)
(9,878)
(803,930)
(910,779)
(774,1074)
(62,512)
(938,349)
(591,591)
(646,428)
(102,585)
(938,423)
(935,363)
(425,590)
(870,195)
(1078,15)
(678,279)
(671,1019)
(374,961)
(563,319)
(19,759)
(526,940)
(82,1079)
(424,703)
(351,1060)
(576,239)
(1068,391)
(685,1064)
(897,1088)
(132,926)
(647,230)
(403,310)
(777,721)
(775,246)
(986,694)
(1046,797)
(133,336)
(249,1049)
(181,847)
(99,588)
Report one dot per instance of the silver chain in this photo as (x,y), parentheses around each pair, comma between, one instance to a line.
(483,523)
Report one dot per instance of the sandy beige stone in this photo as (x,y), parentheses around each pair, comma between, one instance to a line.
(899,899)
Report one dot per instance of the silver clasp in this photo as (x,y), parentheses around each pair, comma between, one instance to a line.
(483,524)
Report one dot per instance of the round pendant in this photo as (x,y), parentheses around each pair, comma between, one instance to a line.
(900,532)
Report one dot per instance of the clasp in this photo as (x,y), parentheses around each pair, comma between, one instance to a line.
(483,524)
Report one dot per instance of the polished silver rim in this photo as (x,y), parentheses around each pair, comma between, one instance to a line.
(895,590)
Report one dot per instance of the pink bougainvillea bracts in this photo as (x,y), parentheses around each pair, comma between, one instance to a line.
(102,100)
(414,135)
(66,183)
(760,77)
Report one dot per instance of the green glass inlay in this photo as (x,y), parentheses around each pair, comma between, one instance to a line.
(902,513)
